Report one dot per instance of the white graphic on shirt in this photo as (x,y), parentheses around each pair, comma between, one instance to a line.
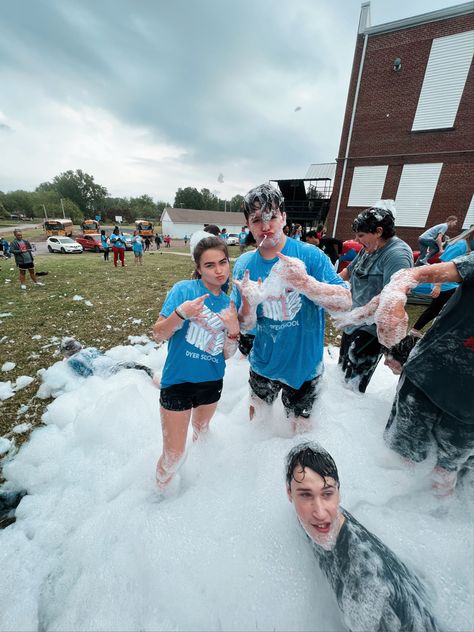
(283,307)
(207,333)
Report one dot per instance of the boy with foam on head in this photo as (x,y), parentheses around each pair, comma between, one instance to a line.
(281,290)
(375,591)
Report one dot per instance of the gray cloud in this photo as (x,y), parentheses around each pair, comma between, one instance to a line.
(216,78)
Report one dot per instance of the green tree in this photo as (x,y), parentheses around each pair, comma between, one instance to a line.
(142,207)
(209,201)
(235,203)
(113,206)
(188,198)
(3,211)
(19,202)
(78,187)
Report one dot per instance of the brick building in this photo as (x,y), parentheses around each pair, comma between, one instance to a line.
(408,131)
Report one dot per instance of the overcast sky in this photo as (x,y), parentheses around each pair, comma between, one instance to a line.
(152,95)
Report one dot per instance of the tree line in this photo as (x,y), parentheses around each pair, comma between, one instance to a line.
(81,198)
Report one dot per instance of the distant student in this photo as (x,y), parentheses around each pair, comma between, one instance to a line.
(374,589)
(243,239)
(22,250)
(117,241)
(105,244)
(137,248)
(431,241)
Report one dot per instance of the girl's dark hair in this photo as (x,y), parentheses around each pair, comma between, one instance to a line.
(207,243)
(212,229)
(372,218)
(102,232)
(310,455)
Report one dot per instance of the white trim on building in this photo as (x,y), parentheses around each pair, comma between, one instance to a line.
(367,185)
(469,219)
(415,193)
(445,78)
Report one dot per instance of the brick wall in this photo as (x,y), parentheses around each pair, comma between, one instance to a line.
(385,111)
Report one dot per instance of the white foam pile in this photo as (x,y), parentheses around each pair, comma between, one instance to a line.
(92,549)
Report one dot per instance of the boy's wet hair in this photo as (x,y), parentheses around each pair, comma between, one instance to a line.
(311,455)
(372,218)
(69,346)
(266,195)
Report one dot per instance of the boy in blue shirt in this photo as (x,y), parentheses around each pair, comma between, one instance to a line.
(281,290)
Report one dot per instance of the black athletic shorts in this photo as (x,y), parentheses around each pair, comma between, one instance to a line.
(297,401)
(189,395)
(246,343)
(26,266)
(417,426)
(359,355)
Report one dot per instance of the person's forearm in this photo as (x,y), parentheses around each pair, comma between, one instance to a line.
(230,346)
(405,280)
(247,316)
(357,316)
(165,328)
(334,298)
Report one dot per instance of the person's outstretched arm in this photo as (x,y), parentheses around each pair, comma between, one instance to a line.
(334,298)
(390,316)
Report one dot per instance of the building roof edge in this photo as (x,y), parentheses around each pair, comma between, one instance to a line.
(432,16)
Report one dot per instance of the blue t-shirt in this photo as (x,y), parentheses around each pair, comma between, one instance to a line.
(137,245)
(289,336)
(82,362)
(456,250)
(117,240)
(195,352)
(242,238)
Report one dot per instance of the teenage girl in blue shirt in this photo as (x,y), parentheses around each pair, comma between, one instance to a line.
(201,326)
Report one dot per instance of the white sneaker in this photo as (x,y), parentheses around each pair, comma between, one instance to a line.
(23,287)
(39,283)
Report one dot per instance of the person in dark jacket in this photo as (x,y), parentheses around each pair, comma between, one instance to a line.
(374,589)
(22,250)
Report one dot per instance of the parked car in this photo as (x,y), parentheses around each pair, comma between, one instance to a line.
(63,245)
(90,242)
(128,241)
(232,239)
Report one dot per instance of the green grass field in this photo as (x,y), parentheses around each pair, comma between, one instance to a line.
(118,296)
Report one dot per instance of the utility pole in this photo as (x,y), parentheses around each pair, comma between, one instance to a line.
(45,213)
(62,206)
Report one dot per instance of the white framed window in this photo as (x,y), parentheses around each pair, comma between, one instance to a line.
(444,81)
(469,219)
(416,192)
(367,185)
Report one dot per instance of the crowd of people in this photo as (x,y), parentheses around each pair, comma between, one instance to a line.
(281,290)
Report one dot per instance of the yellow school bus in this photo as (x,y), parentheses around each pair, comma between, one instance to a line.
(58,227)
(90,226)
(144,227)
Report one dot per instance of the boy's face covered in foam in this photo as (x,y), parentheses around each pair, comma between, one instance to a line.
(266,225)
(316,502)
